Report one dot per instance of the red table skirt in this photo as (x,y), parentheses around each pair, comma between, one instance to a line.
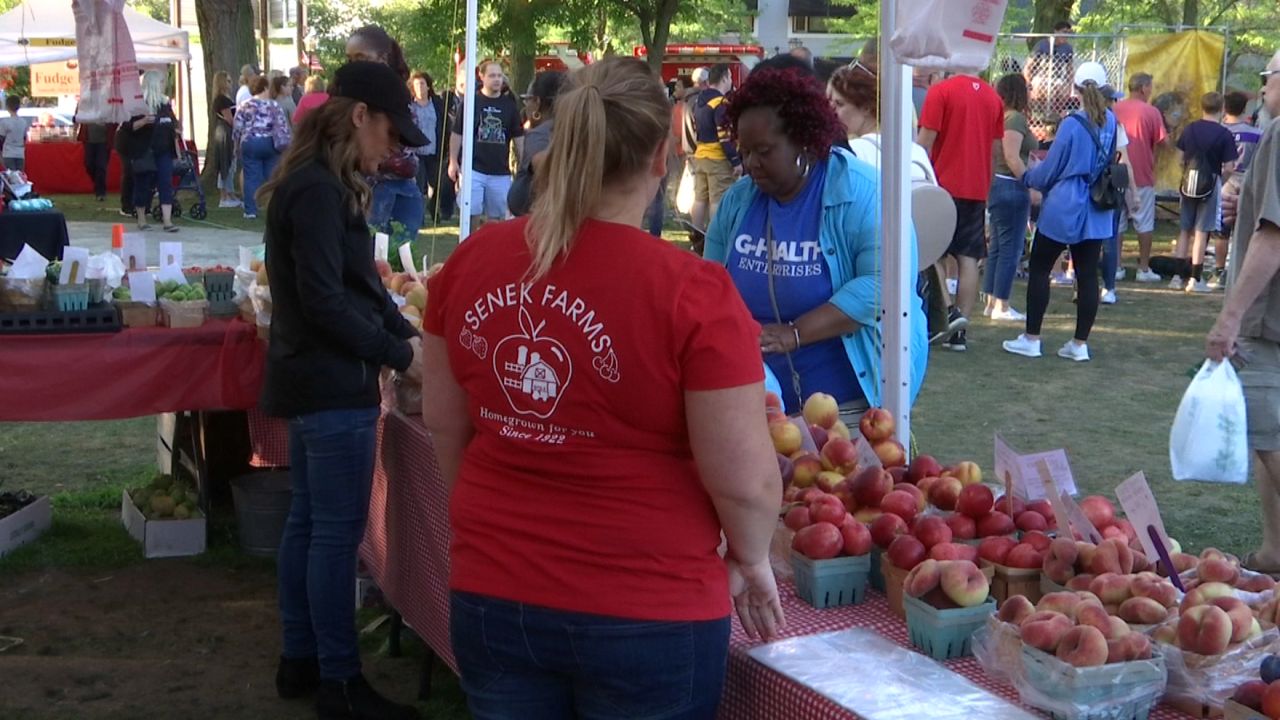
(136,372)
(58,167)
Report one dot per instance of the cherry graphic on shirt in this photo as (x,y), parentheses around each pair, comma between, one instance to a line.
(607,366)
(534,370)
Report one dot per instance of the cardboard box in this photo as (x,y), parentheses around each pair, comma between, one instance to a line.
(25,525)
(162,538)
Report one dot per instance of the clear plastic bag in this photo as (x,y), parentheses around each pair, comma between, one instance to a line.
(1208,440)
(780,553)
(998,649)
(955,35)
(1212,679)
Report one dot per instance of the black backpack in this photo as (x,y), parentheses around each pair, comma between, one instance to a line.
(1198,178)
(1107,189)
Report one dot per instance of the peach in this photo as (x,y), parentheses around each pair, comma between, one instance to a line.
(1127,648)
(996,549)
(867,515)
(1080,582)
(1142,611)
(1213,553)
(887,527)
(1140,561)
(1119,628)
(1003,505)
(840,455)
(877,424)
(1058,571)
(1086,596)
(1204,629)
(828,481)
(1256,583)
(1060,602)
(1167,634)
(1099,510)
(1250,694)
(1065,551)
(931,530)
(905,552)
(839,430)
(1031,521)
(968,473)
(1037,540)
(1112,556)
(962,527)
(975,501)
(1215,569)
(964,583)
(1240,614)
(900,503)
(798,517)
(827,508)
(922,500)
(1111,588)
(1271,700)
(995,523)
(945,493)
(953,551)
(786,438)
(870,486)
(822,410)
(891,453)
(1044,630)
(1205,592)
(926,484)
(923,578)
(1015,609)
(1182,562)
(805,469)
(857,538)
(1045,508)
(1160,590)
(1093,615)
(1083,646)
(1084,555)
(1025,557)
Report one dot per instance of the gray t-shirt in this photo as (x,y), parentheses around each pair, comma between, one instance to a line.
(14,131)
(1259,202)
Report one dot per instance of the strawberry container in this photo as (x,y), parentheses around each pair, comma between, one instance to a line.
(943,634)
(70,298)
(831,583)
(219,288)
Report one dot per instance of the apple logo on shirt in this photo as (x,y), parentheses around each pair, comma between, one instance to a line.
(533,370)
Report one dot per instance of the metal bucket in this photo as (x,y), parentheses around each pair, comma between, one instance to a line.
(262,506)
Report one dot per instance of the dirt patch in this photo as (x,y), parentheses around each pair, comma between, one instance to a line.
(166,639)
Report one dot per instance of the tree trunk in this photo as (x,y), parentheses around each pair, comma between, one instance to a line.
(1190,13)
(524,43)
(227,40)
(1048,12)
(661,33)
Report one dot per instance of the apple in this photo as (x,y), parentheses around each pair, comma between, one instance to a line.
(840,455)
(900,503)
(828,509)
(821,409)
(877,424)
(798,517)
(786,437)
(890,452)
(819,541)
(995,523)
(870,486)
(962,527)
(887,527)
(1099,510)
(931,530)
(964,583)
(905,552)
(857,539)
(975,501)
(921,467)
(945,493)
(996,549)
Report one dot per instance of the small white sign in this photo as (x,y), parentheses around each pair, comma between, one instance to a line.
(142,287)
(1025,474)
(134,252)
(406,260)
(246,258)
(75,266)
(1080,521)
(1140,508)
(381,246)
(171,254)
(172,273)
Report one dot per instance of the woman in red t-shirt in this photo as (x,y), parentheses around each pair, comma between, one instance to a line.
(595,402)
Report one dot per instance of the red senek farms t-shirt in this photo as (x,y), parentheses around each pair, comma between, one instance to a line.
(579,490)
(968,116)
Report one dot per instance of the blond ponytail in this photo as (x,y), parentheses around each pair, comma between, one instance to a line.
(610,118)
(1094,103)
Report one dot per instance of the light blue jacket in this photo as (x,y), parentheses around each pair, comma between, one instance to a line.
(850,239)
(1067,215)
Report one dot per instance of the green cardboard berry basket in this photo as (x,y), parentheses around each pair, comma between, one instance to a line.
(944,634)
(831,583)
(875,575)
(70,298)
(1116,691)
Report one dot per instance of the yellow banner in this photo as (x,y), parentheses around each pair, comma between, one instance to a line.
(1183,66)
(50,42)
(55,79)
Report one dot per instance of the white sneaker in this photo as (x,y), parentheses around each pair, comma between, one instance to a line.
(1023,346)
(1177,283)
(986,311)
(1107,297)
(1009,315)
(250,216)
(951,285)
(1121,273)
(1146,276)
(1063,279)
(1198,286)
(229,203)
(1072,351)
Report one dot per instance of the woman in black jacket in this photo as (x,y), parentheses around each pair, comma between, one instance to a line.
(333,329)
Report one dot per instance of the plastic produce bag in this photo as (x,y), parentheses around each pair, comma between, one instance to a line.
(1211,679)
(1208,440)
(947,34)
(108,267)
(685,190)
(1116,691)
(998,648)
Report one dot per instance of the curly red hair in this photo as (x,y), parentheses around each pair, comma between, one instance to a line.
(807,117)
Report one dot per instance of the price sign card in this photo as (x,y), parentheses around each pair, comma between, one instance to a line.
(142,287)
(75,266)
(381,246)
(1140,507)
(172,273)
(246,258)
(867,456)
(406,260)
(1080,521)
(171,254)
(1026,475)
(134,252)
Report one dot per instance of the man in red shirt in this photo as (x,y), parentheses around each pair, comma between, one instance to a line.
(1144,125)
(962,116)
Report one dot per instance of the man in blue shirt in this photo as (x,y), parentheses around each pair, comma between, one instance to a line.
(1061,48)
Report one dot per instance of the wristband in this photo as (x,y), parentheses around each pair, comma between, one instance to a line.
(796,331)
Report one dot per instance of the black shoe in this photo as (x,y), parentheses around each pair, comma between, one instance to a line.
(296,677)
(955,323)
(958,342)
(356,700)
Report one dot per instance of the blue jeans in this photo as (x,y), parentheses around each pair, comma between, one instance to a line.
(1111,255)
(656,215)
(1009,207)
(145,183)
(258,157)
(331,455)
(399,200)
(521,662)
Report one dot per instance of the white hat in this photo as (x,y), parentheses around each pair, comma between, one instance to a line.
(1090,72)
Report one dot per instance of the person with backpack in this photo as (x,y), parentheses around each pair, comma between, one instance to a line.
(1072,215)
(1208,157)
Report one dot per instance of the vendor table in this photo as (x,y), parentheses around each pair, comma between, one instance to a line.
(58,167)
(135,372)
(46,232)
(406,549)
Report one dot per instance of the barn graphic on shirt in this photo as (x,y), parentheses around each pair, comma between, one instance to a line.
(533,369)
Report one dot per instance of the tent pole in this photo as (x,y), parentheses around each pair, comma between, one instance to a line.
(468,125)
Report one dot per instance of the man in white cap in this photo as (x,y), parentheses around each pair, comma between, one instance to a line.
(1248,328)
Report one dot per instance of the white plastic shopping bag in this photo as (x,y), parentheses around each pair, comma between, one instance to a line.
(685,191)
(955,35)
(1208,440)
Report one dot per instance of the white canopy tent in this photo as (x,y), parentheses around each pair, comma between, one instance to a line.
(45,31)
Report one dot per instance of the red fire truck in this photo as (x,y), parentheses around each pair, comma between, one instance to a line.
(681,60)
(562,57)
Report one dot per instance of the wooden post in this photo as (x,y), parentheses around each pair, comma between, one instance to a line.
(264,29)
(300,34)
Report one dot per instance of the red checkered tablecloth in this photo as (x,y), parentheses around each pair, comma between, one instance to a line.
(269,440)
(406,549)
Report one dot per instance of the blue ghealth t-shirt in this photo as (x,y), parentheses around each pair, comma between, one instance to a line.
(801,282)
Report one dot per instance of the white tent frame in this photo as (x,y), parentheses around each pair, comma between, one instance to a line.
(46,32)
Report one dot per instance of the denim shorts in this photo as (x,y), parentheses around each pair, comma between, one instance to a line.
(1203,214)
(489,195)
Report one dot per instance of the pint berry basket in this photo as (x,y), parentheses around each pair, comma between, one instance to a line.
(1115,691)
(831,583)
(219,288)
(943,634)
(70,298)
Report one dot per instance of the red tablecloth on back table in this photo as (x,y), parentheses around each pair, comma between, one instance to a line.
(406,550)
(58,167)
(135,372)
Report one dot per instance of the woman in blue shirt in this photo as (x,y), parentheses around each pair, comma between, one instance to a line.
(800,235)
(1068,218)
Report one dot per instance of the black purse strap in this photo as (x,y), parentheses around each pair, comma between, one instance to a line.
(1097,142)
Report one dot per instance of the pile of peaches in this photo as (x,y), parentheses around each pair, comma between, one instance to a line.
(1076,628)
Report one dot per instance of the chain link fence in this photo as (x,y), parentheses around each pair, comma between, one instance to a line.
(1049,63)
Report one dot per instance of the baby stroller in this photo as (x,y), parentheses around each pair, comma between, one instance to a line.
(186,178)
(16,186)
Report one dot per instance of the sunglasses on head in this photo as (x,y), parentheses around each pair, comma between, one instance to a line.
(1268,73)
(856,65)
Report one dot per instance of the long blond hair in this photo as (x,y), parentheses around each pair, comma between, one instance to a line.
(326,134)
(153,82)
(610,117)
(1093,102)
(222,83)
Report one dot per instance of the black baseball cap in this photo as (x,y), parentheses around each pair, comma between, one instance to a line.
(379,87)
